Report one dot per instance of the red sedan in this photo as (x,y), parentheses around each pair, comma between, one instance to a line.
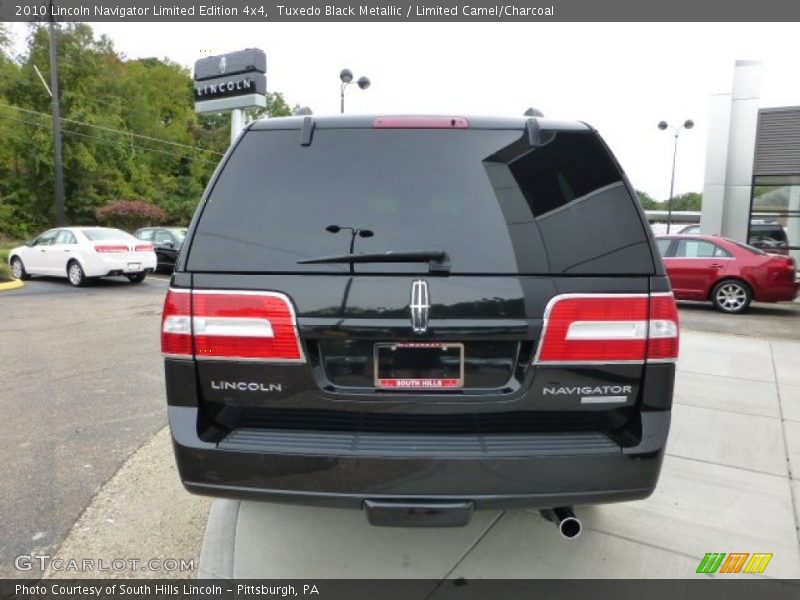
(728,273)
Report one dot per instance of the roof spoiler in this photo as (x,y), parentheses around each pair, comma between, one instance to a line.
(307,131)
(533,129)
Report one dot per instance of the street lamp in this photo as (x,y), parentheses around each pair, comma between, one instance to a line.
(687,124)
(346,77)
(354,232)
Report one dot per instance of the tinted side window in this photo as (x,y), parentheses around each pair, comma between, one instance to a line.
(699,249)
(162,237)
(663,246)
(720,252)
(146,235)
(570,166)
(65,237)
(46,239)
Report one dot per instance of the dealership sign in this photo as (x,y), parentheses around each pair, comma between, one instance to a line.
(231,81)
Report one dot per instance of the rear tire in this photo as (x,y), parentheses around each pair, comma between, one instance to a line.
(75,273)
(18,269)
(136,277)
(731,296)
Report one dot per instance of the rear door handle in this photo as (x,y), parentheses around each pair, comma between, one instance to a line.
(716,266)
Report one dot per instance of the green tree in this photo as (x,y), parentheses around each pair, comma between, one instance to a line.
(688,201)
(129,131)
(647,201)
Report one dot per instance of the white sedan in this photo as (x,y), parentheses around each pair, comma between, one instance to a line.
(79,253)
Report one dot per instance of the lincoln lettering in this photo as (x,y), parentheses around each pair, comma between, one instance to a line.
(597,390)
(245,386)
(225,86)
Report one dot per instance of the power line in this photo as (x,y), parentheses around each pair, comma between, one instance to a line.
(107,141)
(120,131)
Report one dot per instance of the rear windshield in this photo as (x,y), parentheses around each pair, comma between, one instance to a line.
(96,235)
(748,248)
(475,194)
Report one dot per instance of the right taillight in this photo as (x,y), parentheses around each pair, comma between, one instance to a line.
(230,325)
(609,328)
(663,333)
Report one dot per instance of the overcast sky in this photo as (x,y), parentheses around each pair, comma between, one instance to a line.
(621,78)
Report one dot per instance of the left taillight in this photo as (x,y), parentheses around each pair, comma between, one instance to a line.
(176,324)
(612,328)
(230,325)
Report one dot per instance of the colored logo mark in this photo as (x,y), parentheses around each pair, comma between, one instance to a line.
(734,562)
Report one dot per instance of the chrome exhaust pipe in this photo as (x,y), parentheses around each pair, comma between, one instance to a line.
(568,524)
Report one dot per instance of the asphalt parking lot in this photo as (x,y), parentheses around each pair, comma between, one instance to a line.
(83,391)
(774,321)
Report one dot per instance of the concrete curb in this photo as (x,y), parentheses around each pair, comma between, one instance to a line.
(219,543)
(142,513)
(14,284)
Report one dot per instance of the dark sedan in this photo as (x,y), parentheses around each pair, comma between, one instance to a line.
(167,242)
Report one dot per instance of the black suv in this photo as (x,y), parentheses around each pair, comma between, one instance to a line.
(769,237)
(420,316)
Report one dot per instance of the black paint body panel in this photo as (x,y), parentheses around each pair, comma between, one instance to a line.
(518,433)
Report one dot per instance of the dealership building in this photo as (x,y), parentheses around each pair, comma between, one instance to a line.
(752,180)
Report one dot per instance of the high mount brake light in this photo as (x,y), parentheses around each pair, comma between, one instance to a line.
(228,325)
(609,328)
(420,123)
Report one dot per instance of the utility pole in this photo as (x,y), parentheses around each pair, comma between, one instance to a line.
(58,162)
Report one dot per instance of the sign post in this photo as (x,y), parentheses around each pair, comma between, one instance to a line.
(237,123)
(231,82)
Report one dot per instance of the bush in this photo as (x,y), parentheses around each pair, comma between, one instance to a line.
(5,273)
(130,214)
(11,224)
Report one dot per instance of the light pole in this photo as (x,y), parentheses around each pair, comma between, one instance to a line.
(687,124)
(354,232)
(346,77)
(57,161)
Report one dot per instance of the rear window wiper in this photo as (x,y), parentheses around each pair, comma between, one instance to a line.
(438,260)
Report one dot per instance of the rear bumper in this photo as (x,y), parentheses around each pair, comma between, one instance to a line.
(778,292)
(100,266)
(502,472)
